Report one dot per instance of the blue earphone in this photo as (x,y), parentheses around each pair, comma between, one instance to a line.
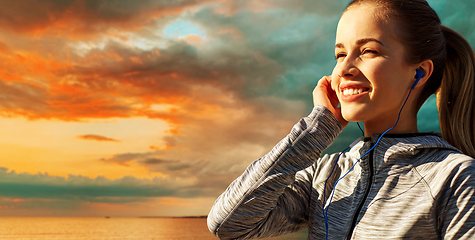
(418,77)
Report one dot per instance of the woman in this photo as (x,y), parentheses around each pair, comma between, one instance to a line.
(391,56)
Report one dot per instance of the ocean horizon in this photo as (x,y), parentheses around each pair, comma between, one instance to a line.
(117,228)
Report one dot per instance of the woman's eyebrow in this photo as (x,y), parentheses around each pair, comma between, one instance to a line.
(339,45)
(367,40)
(361,42)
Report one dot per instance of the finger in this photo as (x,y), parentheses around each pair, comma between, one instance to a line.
(332,95)
(334,100)
(326,81)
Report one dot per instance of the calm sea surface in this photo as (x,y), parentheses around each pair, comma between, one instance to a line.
(25,228)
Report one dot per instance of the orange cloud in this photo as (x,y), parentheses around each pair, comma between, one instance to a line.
(46,77)
(121,81)
(4,48)
(211,89)
(97,138)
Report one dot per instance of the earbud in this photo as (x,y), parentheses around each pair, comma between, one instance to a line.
(418,77)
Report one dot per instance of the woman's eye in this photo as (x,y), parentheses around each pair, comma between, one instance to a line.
(340,55)
(369,51)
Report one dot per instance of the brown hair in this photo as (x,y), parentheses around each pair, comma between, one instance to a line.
(420,30)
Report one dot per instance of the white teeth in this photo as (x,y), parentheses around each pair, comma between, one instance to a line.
(352,91)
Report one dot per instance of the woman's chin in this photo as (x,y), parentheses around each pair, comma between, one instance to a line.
(351,117)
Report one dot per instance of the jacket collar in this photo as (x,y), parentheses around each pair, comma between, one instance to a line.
(400,149)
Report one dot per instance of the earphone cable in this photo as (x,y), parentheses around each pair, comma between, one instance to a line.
(325,211)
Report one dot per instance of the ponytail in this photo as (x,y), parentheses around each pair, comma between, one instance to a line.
(456,96)
(453,79)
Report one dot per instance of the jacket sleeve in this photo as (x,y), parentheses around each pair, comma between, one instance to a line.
(272,197)
(459,216)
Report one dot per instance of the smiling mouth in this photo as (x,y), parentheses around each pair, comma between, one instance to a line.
(353,91)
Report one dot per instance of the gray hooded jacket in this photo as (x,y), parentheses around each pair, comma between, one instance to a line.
(410,186)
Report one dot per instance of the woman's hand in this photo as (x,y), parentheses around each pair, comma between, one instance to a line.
(324,95)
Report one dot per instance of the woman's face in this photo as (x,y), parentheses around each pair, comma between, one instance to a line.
(371,78)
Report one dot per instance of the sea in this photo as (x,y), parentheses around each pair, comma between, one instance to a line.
(65,228)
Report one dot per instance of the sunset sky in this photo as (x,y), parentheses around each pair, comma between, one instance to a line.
(152,107)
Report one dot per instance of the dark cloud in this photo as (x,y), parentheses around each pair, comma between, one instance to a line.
(174,168)
(154,161)
(126,158)
(165,165)
(84,18)
(100,189)
(97,138)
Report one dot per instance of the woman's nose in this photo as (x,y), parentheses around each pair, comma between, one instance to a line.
(347,69)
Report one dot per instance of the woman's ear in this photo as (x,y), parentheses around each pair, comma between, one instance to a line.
(427,67)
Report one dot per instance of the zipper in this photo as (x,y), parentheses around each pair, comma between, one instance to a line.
(363,200)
